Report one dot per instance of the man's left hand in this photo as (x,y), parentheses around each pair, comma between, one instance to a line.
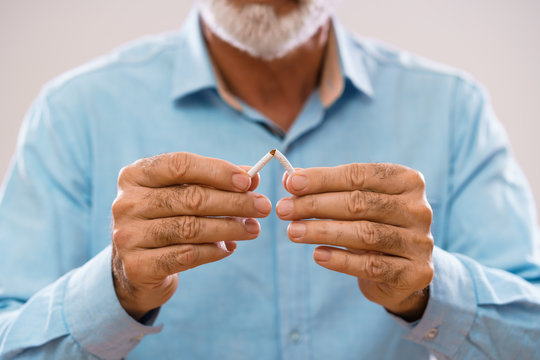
(379,216)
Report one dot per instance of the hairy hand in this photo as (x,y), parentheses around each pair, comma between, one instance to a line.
(174,212)
(376,219)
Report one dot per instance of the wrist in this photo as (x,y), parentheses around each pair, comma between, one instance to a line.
(412,308)
(125,292)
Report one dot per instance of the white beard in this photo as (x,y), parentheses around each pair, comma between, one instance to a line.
(259,31)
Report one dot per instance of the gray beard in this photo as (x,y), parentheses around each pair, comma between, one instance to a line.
(257,30)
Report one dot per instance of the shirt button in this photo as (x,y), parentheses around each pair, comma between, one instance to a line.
(294,336)
(431,334)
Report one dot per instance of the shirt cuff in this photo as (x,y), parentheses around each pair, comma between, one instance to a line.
(95,317)
(451,308)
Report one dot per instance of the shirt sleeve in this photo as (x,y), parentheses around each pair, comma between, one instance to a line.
(485,296)
(56,301)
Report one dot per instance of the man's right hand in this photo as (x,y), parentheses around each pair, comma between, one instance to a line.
(174,212)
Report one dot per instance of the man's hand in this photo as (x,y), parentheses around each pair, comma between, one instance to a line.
(380,215)
(174,212)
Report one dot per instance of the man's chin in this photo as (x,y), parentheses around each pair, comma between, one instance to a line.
(281,7)
(257,29)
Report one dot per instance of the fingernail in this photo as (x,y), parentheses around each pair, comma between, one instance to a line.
(284,207)
(322,254)
(252,226)
(231,245)
(297,230)
(241,181)
(262,205)
(298,182)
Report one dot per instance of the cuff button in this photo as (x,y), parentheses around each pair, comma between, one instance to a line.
(431,334)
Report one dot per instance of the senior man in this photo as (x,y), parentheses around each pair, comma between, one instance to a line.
(411,230)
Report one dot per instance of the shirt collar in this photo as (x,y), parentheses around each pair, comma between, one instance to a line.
(352,60)
(192,66)
(194,71)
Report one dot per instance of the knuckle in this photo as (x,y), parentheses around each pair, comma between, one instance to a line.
(122,206)
(425,273)
(179,164)
(238,200)
(125,174)
(166,263)
(346,264)
(324,232)
(355,202)
(188,228)
(147,165)
(427,243)
(423,214)
(121,238)
(117,208)
(430,272)
(188,197)
(381,202)
(431,243)
(188,255)
(367,232)
(191,196)
(355,175)
(381,270)
(162,198)
(384,171)
(391,239)
(313,202)
(380,237)
(175,230)
(427,213)
(374,267)
(416,178)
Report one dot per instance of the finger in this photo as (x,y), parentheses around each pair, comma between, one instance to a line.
(382,178)
(185,168)
(349,205)
(285,177)
(254,180)
(200,201)
(368,266)
(362,235)
(154,264)
(194,230)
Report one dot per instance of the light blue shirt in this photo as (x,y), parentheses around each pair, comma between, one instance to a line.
(269,300)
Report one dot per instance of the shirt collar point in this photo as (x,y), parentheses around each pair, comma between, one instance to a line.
(353,60)
(192,70)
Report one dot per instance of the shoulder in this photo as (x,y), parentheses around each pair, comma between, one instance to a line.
(387,61)
(147,59)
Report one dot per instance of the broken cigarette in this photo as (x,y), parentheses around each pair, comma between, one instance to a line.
(266,159)
(261,163)
(283,160)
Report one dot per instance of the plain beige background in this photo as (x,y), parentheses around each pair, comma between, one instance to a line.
(497,41)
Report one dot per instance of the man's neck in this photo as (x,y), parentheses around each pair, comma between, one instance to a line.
(279,88)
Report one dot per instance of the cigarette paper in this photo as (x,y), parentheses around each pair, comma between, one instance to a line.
(266,159)
(260,164)
(283,160)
